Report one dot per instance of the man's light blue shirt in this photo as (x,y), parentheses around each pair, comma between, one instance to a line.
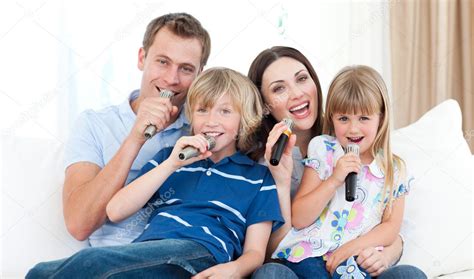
(96,138)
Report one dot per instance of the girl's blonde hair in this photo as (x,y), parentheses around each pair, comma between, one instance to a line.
(212,84)
(361,89)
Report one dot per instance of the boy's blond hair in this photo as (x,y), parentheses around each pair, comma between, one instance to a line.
(212,84)
(361,89)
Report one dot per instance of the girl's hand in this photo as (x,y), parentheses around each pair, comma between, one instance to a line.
(197,141)
(341,254)
(373,261)
(345,165)
(227,270)
(281,173)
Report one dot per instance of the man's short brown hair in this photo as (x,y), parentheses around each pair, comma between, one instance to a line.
(182,25)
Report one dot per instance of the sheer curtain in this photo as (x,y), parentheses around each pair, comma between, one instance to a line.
(60,57)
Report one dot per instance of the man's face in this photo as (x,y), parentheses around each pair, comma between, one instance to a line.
(171,63)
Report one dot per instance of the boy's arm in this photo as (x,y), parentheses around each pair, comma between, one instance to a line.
(382,235)
(132,198)
(256,238)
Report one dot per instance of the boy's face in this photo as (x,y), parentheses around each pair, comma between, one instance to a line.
(222,121)
(172,63)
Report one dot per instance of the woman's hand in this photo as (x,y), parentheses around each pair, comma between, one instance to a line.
(345,165)
(197,141)
(282,172)
(227,270)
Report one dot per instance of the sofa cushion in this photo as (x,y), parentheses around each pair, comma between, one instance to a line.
(438,225)
(33,227)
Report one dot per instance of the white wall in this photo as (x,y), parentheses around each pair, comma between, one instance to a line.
(60,57)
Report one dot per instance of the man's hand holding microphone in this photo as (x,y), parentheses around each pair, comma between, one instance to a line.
(154,114)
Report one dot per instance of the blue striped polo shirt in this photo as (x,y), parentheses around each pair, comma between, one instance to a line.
(212,203)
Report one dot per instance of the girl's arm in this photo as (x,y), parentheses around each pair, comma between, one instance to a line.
(383,234)
(375,262)
(132,198)
(256,238)
(314,194)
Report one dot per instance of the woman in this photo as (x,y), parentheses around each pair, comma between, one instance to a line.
(290,88)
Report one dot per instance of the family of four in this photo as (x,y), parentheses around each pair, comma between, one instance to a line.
(226,212)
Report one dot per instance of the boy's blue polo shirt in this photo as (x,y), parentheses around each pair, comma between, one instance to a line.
(212,203)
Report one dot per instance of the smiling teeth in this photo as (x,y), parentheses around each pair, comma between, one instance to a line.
(212,134)
(299,107)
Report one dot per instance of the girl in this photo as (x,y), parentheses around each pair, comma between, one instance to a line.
(357,111)
(201,208)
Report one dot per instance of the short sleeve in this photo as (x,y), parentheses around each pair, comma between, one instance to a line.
(83,145)
(265,206)
(404,188)
(321,155)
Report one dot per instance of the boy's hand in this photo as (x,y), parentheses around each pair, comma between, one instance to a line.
(197,141)
(341,254)
(227,270)
(281,173)
(345,165)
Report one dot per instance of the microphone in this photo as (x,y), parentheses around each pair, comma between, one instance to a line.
(351,178)
(280,145)
(191,151)
(150,130)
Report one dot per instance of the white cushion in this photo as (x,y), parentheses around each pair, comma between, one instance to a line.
(33,227)
(439,217)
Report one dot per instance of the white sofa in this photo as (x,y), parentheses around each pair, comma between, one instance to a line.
(438,230)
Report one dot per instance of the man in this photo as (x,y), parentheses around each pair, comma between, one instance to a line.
(107,148)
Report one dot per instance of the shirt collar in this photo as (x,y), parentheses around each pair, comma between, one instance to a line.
(125,109)
(238,158)
(375,170)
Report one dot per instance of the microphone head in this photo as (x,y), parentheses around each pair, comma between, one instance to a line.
(166,94)
(289,123)
(353,147)
(211,142)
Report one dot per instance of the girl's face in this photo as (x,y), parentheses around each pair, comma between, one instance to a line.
(222,121)
(357,128)
(289,91)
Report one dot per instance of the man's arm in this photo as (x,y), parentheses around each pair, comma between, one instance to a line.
(88,189)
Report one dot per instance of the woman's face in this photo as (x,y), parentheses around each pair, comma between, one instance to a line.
(289,91)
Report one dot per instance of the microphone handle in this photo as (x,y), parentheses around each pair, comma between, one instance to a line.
(188,152)
(351,182)
(278,149)
(150,131)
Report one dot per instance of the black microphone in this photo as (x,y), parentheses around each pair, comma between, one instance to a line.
(280,145)
(351,178)
(191,151)
(150,130)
